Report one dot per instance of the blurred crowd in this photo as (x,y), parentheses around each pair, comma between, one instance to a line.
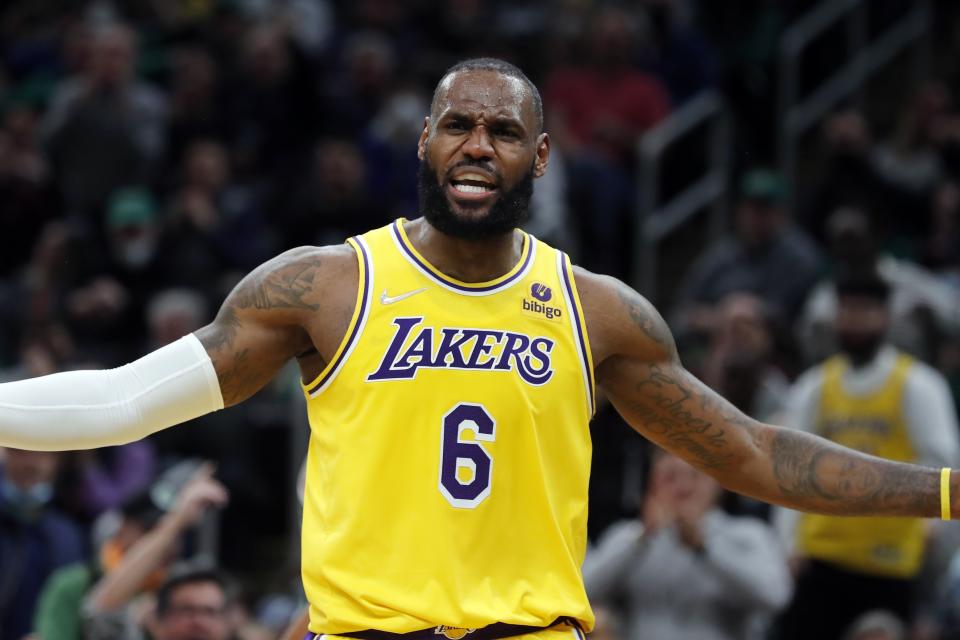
(153,152)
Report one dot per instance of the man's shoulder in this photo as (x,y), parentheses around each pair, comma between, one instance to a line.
(307,265)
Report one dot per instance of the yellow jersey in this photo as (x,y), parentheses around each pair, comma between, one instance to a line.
(449,454)
(872,423)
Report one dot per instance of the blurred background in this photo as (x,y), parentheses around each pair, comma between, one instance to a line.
(781,178)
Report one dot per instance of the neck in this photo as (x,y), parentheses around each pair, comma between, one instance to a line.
(465,260)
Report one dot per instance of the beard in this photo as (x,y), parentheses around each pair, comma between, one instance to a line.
(508,211)
(860,348)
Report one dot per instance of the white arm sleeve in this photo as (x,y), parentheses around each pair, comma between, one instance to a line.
(87,409)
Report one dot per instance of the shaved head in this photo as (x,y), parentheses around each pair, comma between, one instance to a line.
(498,66)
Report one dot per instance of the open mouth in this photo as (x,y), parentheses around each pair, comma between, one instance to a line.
(472,184)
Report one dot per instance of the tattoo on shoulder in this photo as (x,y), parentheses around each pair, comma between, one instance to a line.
(286,285)
(282,288)
(645,317)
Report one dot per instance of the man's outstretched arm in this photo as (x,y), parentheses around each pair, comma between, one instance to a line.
(638,368)
(258,329)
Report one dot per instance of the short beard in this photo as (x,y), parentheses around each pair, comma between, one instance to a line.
(861,350)
(511,209)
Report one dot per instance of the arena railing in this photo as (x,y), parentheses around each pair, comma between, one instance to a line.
(659,216)
(866,55)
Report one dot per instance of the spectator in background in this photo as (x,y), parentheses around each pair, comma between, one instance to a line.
(192,605)
(275,110)
(369,65)
(873,398)
(768,256)
(213,223)
(922,308)
(58,614)
(173,313)
(102,479)
(686,569)
(117,605)
(739,363)
(674,52)
(195,101)
(106,305)
(941,250)
(334,202)
(846,175)
(104,128)
(596,112)
(35,538)
(910,160)
(28,198)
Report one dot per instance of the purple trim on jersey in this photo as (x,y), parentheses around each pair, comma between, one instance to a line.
(310,636)
(428,270)
(578,322)
(356,326)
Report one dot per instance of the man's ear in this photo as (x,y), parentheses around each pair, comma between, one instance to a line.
(422,144)
(543,155)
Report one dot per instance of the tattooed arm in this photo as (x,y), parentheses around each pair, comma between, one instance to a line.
(265,321)
(638,368)
(262,323)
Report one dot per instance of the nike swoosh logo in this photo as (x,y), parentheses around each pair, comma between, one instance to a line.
(385,299)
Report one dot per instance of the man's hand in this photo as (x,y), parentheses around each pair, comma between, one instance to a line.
(201,493)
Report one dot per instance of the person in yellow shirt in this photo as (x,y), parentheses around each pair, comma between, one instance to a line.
(876,399)
(450,365)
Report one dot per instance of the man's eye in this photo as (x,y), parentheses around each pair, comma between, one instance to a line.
(456,126)
(510,134)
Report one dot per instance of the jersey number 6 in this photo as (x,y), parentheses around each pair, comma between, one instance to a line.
(457,453)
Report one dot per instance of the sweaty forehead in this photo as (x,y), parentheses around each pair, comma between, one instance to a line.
(487,92)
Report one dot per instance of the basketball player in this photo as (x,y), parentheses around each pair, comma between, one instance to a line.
(450,365)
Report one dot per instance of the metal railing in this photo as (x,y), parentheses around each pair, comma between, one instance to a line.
(658,218)
(865,56)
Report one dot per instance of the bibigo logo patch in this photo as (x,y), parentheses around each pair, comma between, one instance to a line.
(541,294)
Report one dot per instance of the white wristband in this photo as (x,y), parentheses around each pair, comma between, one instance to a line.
(87,409)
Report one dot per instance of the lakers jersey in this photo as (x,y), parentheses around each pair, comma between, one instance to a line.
(449,452)
(872,423)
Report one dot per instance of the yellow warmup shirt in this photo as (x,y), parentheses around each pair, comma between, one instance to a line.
(449,452)
(874,424)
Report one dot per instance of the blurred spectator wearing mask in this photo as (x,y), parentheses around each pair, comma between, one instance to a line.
(686,569)
(119,603)
(35,539)
(739,363)
(192,605)
(596,113)
(879,400)
(922,307)
(768,256)
(104,128)
(105,310)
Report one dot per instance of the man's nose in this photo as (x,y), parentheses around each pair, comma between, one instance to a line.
(479,145)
